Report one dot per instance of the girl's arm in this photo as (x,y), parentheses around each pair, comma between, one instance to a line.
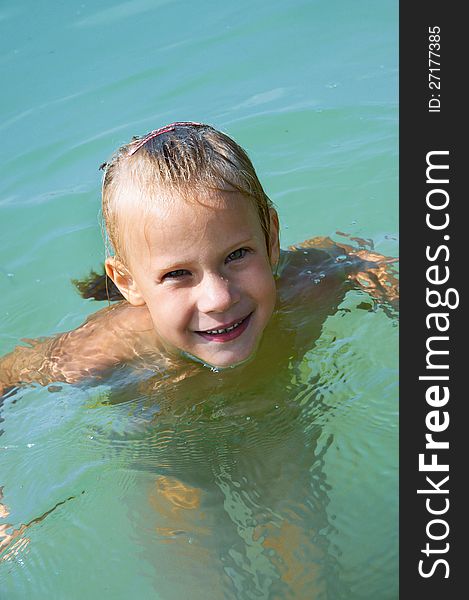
(28,364)
(109,337)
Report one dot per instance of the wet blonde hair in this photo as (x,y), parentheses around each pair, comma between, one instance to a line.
(180,158)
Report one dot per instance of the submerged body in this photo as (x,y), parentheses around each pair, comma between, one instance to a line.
(215,488)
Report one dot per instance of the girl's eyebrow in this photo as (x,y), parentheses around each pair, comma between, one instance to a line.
(184,263)
(173,266)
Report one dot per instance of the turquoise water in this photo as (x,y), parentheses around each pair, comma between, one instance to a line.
(302,465)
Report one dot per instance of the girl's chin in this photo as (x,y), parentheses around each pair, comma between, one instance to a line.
(220,362)
(221,359)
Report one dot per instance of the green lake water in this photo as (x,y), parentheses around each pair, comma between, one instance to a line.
(286,486)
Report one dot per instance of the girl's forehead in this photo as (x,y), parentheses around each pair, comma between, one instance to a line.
(175,219)
(173,208)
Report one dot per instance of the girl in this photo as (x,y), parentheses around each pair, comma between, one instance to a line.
(198,269)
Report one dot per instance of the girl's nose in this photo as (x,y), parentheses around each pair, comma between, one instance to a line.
(216,294)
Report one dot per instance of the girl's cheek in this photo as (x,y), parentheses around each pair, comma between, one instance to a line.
(174,307)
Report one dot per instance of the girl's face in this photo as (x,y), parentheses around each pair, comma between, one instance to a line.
(204,273)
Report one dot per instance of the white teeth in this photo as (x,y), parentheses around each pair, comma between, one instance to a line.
(226,330)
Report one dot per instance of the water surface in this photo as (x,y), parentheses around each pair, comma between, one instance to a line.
(254,486)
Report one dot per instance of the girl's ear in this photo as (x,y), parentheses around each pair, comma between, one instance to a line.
(119,274)
(274,241)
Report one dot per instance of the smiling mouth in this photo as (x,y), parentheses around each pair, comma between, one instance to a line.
(226,334)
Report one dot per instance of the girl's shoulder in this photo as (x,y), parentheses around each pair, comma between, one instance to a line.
(320,248)
(318,257)
(121,331)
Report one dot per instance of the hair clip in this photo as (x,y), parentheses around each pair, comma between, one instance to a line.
(149,136)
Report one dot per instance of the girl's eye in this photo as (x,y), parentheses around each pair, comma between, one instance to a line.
(177,274)
(237,254)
